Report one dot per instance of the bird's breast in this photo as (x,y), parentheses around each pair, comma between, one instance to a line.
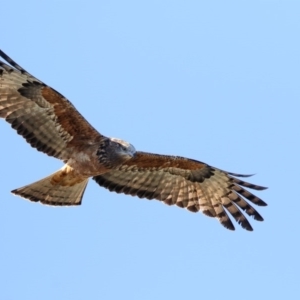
(87,163)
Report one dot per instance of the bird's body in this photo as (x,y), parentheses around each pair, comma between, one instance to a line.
(51,124)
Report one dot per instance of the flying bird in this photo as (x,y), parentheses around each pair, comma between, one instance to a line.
(51,124)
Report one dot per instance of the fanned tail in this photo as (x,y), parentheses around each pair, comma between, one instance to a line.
(48,192)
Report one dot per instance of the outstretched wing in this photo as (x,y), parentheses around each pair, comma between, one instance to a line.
(187,183)
(47,120)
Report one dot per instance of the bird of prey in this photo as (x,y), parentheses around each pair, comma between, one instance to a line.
(51,124)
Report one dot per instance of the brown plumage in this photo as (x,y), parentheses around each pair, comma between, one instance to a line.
(51,124)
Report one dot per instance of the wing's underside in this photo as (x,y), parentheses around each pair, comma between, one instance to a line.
(185,183)
(47,120)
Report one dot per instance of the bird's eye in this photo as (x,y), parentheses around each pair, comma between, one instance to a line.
(121,146)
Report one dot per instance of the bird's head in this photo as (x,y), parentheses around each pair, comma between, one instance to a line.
(115,152)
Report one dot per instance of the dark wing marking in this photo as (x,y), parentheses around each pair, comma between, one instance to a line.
(47,120)
(187,183)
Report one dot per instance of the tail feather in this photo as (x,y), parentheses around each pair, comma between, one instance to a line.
(46,192)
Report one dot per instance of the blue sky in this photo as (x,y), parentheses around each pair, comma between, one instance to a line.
(217,81)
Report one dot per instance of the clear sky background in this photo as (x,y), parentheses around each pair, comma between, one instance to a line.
(217,81)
